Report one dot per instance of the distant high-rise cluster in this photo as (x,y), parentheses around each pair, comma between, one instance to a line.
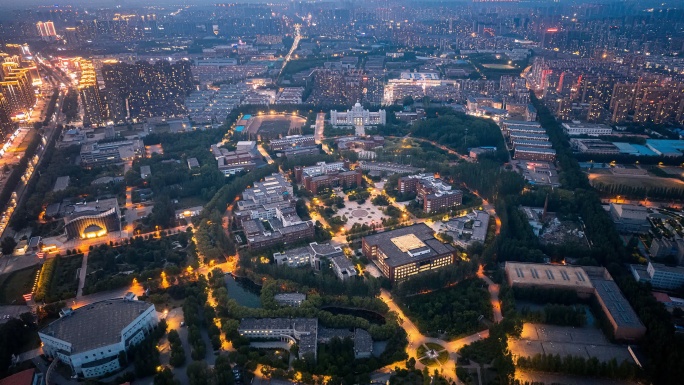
(17,78)
(608,91)
(144,90)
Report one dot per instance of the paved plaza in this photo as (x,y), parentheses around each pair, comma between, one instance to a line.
(566,341)
(363,214)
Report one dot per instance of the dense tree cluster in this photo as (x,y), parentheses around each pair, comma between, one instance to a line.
(553,314)
(437,279)
(145,258)
(460,132)
(14,334)
(177,358)
(145,356)
(191,309)
(579,366)
(70,105)
(61,162)
(453,311)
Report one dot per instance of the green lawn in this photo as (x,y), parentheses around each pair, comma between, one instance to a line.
(15,284)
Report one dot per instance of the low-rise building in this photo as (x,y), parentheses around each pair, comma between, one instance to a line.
(407,251)
(295,152)
(61,183)
(363,344)
(630,218)
(292,141)
(193,163)
(232,162)
(302,331)
(99,154)
(145,172)
(477,152)
(433,193)
(290,299)
(343,267)
(90,339)
(388,167)
(586,281)
(665,277)
(594,146)
(469,228)
(535,153)
(309,255)
(360,142)
(329,175)
(576,128)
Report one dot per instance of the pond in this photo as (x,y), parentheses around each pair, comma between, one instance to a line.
(243,291)
(371,316)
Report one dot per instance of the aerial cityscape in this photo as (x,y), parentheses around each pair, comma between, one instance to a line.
(316,192)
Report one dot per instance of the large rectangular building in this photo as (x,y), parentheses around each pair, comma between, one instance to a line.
(99,154)
(324,175)
(586,281)
(292,141)
(630,218)
(90,338)
(591,129)
(302,331)
(535,153)
(407,251)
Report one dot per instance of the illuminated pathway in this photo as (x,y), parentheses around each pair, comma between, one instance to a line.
(416,339)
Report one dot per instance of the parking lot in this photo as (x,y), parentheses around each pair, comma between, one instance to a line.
(585,342)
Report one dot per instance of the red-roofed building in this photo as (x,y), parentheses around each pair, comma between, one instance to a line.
(26,377)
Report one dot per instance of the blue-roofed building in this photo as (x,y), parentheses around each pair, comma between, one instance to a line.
(644,150)
(666,147)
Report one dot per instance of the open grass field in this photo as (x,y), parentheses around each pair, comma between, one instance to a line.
(15,284)
(638,181)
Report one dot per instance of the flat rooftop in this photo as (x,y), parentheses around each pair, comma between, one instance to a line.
(615,302)
(96,325)
(408,244)
(571,277)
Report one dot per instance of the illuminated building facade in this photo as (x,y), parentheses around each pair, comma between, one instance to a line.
(92,219)
(46,30)
(94,111)
(90,339)
(407,251)
(357,116)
